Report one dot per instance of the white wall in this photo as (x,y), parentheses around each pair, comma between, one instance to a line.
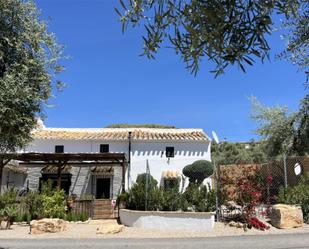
(185,153)
(185,221)
(12,180)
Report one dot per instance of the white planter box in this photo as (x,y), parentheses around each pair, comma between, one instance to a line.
(189,221)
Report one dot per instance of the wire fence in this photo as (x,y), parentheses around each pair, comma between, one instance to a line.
(269,177)
(225,190)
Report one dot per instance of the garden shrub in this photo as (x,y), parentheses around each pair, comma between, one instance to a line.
(171,184)
(137,194)
(171,200)
(248,194)
(76,217)
(9,207)
(53,201)
(19,218)
(9,197)
(297,195)
(33,204)
(123,199)
(9,214)
(49,203)
(54,204)
(200,198)
(142,178)
(230,175)
(198,171)
(22,217)
(83,217)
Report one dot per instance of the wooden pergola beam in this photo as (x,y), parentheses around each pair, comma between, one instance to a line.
(47,157)
(83,164)
(60,159)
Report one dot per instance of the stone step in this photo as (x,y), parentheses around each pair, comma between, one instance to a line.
(102,205)
(99,217)
(107,201)
(103,208)
(103,212)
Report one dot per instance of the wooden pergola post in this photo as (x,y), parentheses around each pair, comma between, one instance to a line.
(3,162)
(60,166)
(123,177)
(1,173)
(59,177)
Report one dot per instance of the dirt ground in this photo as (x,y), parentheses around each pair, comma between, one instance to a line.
(88,230)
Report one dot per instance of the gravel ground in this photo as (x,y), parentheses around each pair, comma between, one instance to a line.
(75,230)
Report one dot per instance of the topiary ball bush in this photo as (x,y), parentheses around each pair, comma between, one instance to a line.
(198,171)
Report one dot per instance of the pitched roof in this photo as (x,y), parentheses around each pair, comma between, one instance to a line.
(120,134)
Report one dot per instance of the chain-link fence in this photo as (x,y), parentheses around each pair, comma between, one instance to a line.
(228,190)
(263,179)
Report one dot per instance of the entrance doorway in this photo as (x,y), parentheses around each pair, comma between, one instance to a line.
(103,188)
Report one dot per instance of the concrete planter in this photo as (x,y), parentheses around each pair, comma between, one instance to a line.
(189,221)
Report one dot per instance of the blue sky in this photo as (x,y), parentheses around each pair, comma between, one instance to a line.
(108,82)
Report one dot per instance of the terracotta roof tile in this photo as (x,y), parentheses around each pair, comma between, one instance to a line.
(170,174)
(119,134)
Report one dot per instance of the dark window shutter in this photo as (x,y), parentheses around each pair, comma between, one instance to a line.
(104,148)
(59,149)
(169,151)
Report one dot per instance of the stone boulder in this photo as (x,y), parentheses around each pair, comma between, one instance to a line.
(236,224)
(286,216)
(47,226)
(110,229)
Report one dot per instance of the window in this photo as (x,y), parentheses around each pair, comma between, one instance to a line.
(169,151)
(65,181)
(59,149)
(104,148)
(171,184)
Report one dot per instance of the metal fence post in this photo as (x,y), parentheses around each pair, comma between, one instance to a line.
(146,185)
(285,171)
(217,190)
(268,183)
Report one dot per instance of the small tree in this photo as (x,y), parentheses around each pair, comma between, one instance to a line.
(141,179)
(8,206)
(29,62)
(198,171)
(137,194)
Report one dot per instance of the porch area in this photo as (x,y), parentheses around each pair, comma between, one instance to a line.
(92,180)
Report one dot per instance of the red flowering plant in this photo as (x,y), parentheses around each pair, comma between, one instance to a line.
(249,195)
(247,186)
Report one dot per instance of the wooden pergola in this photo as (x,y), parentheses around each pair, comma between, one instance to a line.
(60,160)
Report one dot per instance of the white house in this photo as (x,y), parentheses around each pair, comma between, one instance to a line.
(167,152)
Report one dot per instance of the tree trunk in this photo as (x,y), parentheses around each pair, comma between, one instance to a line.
(1,173)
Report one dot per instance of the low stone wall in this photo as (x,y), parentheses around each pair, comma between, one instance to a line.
(185,221)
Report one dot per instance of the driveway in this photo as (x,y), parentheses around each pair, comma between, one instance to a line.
(285,241)
(88,231)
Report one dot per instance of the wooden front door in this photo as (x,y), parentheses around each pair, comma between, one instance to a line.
(103,188)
